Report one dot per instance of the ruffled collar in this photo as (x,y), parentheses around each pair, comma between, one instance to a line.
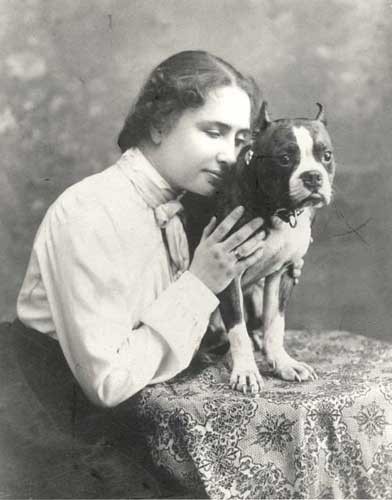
(148,182)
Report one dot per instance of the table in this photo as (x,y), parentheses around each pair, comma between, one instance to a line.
(330,438)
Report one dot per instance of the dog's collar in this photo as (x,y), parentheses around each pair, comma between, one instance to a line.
(289,215)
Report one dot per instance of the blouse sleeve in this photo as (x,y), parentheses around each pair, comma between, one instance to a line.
(91,297)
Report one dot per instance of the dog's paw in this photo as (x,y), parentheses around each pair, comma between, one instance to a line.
(288,368)
(246,379)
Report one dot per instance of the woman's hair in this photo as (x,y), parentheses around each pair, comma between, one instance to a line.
(182,81)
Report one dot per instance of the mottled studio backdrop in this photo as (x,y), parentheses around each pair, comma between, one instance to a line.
(69,71)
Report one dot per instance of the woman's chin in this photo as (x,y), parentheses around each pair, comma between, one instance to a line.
(204,189)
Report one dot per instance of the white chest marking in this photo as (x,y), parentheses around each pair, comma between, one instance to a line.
(284,244)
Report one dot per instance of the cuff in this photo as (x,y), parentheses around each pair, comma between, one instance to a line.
(199,295)
(181,315)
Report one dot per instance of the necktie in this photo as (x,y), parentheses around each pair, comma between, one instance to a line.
(164,201)
(168,219)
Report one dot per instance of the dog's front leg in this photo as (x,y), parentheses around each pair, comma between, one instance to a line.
(277,291)
(245,374)
(253,300)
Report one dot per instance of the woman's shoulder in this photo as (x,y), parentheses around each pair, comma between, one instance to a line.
(106,192)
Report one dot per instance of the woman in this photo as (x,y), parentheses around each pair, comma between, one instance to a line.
(109,275)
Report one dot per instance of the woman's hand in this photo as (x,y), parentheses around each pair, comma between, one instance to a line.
(217,261)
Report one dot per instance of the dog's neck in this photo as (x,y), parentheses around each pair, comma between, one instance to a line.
(264,201)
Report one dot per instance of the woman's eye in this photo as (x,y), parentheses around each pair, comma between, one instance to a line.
(327,156)
(213,133)
(284,160)
(240,141)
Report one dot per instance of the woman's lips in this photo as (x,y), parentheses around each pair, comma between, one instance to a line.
(215,174)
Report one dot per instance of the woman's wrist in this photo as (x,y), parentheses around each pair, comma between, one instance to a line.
(202,279)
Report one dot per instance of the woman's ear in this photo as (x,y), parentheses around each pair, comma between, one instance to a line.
(156,135)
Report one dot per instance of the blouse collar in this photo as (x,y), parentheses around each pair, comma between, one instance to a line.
(149,183)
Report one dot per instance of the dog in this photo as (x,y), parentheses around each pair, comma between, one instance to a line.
(284,176)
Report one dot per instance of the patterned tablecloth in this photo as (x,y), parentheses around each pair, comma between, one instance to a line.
(331,438)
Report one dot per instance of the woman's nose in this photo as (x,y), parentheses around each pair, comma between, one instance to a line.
(228,155)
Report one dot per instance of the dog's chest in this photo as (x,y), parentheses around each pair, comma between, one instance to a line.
(290,243)
(284,244)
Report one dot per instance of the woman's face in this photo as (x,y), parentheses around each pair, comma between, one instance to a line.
(205,140)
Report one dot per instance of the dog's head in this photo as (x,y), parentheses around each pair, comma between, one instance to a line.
(292,160)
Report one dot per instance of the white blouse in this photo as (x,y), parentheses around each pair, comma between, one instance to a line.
(99,280)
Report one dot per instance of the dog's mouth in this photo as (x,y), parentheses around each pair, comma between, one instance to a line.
(314,199)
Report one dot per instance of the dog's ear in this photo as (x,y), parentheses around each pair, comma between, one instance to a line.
(321,114)
(263,120)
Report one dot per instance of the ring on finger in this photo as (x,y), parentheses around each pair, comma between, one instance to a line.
(237,254)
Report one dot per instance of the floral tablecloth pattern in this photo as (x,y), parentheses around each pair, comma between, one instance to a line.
(330,438)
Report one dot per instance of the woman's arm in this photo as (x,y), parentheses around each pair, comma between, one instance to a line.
(93,297)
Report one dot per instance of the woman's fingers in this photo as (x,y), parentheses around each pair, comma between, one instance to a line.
(226,225)
(241,241)
(297,268)
(240,236)
(243,264)
(209,228)
(214,261)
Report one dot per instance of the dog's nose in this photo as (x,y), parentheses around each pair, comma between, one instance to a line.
(312,179)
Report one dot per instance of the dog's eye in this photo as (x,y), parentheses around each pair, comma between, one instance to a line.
(327,156)
(284,160)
